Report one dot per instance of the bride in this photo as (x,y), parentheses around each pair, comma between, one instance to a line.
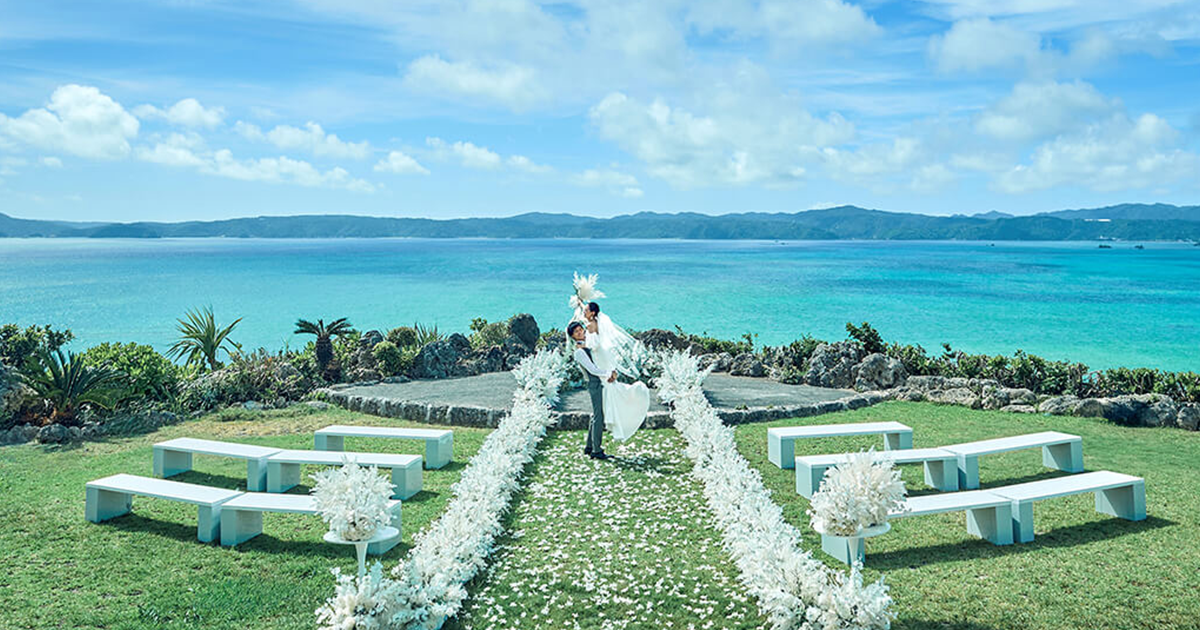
(625,404)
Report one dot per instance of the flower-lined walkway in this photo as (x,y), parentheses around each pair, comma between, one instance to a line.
(622,543)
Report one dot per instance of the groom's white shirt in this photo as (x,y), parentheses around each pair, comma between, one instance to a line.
(589,365)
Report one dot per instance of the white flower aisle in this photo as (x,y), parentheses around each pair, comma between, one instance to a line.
(428,586)
(353,500)
(794,590)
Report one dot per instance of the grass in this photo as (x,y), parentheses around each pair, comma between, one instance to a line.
(1083,570)
(624,543)
(146,569)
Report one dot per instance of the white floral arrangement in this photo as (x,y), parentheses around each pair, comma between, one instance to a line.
(353,500)
(585,291)
(543,374)
(856,494)
(429,585)
(795,591)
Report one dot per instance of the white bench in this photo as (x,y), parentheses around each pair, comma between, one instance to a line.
(989,517)
(111,497)
(781,441)
(941,469)
(1118,494)
(439,443)
(242,516)
(175,456)
(1060,451)
(283,468)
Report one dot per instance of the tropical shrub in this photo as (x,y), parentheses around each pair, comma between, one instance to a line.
(146,375)
(19,345)
(69,385)
(272,379)
(402,337)
(392,360)
(324,334)
(201,340)
(712,345)
(485,335)
(870,338)
(426,334)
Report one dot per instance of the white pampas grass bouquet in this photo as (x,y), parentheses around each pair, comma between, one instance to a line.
(856,494)
(353,500)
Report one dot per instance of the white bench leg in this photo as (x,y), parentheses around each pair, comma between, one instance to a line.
(329,443)
(208,523)
(848,550)
(439,452)
(102,505)
(407,480)
(942,474)
(968,472)
(1127,502)
(1067,457)
(238,526)
(384,546)
(993,524)
(781,452)
(282,476)
(256,475)
(899,440)
(808,479)
(1022,521)
(168,463)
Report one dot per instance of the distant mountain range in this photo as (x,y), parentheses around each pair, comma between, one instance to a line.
(1136,222)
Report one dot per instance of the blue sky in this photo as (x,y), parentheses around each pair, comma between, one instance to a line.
(173,110)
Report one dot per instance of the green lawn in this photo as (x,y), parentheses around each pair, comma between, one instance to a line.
(146,569)
(1083,570)
(623,543)
(626,543)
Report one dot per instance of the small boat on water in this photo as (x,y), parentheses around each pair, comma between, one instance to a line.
(1103,246)
(1139,247)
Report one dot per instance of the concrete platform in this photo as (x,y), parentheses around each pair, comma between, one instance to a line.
(485,399)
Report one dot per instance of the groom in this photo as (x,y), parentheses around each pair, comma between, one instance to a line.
(583,355)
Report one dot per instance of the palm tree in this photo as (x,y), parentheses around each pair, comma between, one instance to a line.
(201,340)
(67,383)
(324,335)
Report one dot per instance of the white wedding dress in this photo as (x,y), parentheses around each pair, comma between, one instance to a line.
(625,404)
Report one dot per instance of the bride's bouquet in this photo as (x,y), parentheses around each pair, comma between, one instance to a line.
(855,495)
(353,500)
(585,291)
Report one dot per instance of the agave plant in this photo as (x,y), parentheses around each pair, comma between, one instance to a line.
(201,340)
(426,334)
(67,383)
(324,334)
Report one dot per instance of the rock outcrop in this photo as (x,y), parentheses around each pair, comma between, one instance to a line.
(878,371)
(720,362)
(747,364)
(440,358)
(832,364)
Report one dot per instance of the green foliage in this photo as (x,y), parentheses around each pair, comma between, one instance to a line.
(485,335)
(393,360)
(201,339)
(870,338)
(426,334)
(324,345)
(261,376)
(402,337)
(1181,386)
(67,383)
(19,345)
(712,345)
(145,374)
(550,337)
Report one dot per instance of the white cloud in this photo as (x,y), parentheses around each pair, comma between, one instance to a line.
(186,113)
(616,182)
(980,44)
(1038,110)
(466,153)
(79,120)
(522,163)
(747,135)
(51,162)
(785,23)
(1116,153)
(176,150)
(402,163)
(511,85)
(312,138)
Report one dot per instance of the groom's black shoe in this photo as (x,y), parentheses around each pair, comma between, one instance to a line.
(587,450)
(599,455)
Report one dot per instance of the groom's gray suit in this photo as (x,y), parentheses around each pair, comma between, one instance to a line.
(596,391)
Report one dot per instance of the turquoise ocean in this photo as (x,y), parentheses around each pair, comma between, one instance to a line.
(1105,307)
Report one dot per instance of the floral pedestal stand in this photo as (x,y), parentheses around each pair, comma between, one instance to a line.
(851,549)
(360,546)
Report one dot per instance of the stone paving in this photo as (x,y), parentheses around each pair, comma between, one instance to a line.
(483,400)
